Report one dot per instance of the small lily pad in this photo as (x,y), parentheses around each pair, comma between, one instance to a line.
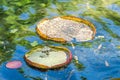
(48,57)
(14,64)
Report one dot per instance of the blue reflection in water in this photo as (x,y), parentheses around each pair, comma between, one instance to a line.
(5,7)
(114,7)
(32,10)
(112,26)
(24,16)
(8,74)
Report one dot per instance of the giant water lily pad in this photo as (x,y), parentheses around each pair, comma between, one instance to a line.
(65,29)
(48,57)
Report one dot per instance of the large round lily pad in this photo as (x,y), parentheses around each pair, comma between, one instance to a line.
(65,29)
(48,57)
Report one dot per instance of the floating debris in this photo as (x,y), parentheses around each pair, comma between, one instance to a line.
(65,28)
(99,47)
(48,57)
(72,45)
(46,78)
(106,63)
(14,64)
(99,37)
(76,59)
(70,74)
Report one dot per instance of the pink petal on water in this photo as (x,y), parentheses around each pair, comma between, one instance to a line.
(14,64)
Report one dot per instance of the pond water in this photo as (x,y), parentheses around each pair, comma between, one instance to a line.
(98,59)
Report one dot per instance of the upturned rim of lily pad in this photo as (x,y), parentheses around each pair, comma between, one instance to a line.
(62,40)
(42,66)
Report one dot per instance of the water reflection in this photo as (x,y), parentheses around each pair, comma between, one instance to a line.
(17,36)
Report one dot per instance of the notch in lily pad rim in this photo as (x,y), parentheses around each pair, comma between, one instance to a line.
(41,66)
(73,18)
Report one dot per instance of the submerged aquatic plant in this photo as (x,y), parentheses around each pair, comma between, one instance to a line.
(78,64)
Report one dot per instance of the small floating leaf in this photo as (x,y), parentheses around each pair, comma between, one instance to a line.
(14,64)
